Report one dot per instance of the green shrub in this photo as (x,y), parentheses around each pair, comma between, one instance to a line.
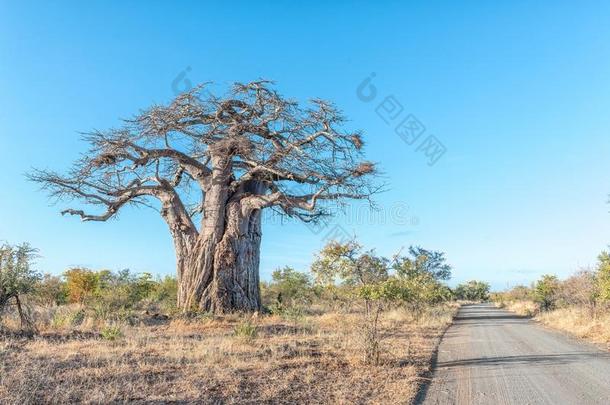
(246,329)
(545,292)
(115,295)
(287,288)
(76,318)
(295,315)
(472,291)
(17,278)
(165,293)
(58,320)
(111,333)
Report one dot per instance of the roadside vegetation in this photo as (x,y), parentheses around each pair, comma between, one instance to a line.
(358,327)
(580,304)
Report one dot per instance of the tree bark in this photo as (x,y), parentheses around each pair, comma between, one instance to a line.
(20,311)
(220,272)
(222,276)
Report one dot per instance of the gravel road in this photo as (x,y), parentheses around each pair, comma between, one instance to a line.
(492,356)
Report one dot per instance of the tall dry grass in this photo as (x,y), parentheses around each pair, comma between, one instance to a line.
(314,359)
(523,308)
(586,322)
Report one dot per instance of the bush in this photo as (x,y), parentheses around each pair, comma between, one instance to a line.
(546,292)
(51,291)
(579,289)
(519,293)
(288,288)
(111,333)
(472,291)
(17,277)
(294,315)
(68,317)
(115,296)
(603,277)
(81,284)
(165,293)
(246,329)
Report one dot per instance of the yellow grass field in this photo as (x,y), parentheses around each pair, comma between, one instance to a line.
(311,360)
(585,323)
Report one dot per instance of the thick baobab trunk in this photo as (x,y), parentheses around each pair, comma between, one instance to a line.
(220,273)
(235,281)
(223,275)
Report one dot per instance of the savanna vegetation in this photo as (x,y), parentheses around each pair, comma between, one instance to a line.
(209,165)
(579,304)
(357,327)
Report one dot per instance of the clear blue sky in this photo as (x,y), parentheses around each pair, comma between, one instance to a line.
(519,94)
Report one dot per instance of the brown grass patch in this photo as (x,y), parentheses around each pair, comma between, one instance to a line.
(585,323)
(318,360)
(589,323)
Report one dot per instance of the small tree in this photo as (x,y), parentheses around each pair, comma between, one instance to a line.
(17,277)
(364,272)
(348,264)
(473,291)
(289,287)
(545,292)
(82,284)
(420,274)
(423,261)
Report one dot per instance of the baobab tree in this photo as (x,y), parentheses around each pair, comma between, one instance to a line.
(210,165)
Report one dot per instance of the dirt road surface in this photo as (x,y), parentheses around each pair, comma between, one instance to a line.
(492,356)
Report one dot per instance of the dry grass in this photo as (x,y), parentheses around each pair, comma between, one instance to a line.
(523,308)
(315,360)
(582,322)
(585,323)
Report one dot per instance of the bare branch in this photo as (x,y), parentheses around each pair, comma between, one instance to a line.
(197,153)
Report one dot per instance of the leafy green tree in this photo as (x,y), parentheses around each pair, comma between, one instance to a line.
(473,291)
(17,276)
(423,261)
(290,287)
(545,292)
(350,264)
(367,275)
